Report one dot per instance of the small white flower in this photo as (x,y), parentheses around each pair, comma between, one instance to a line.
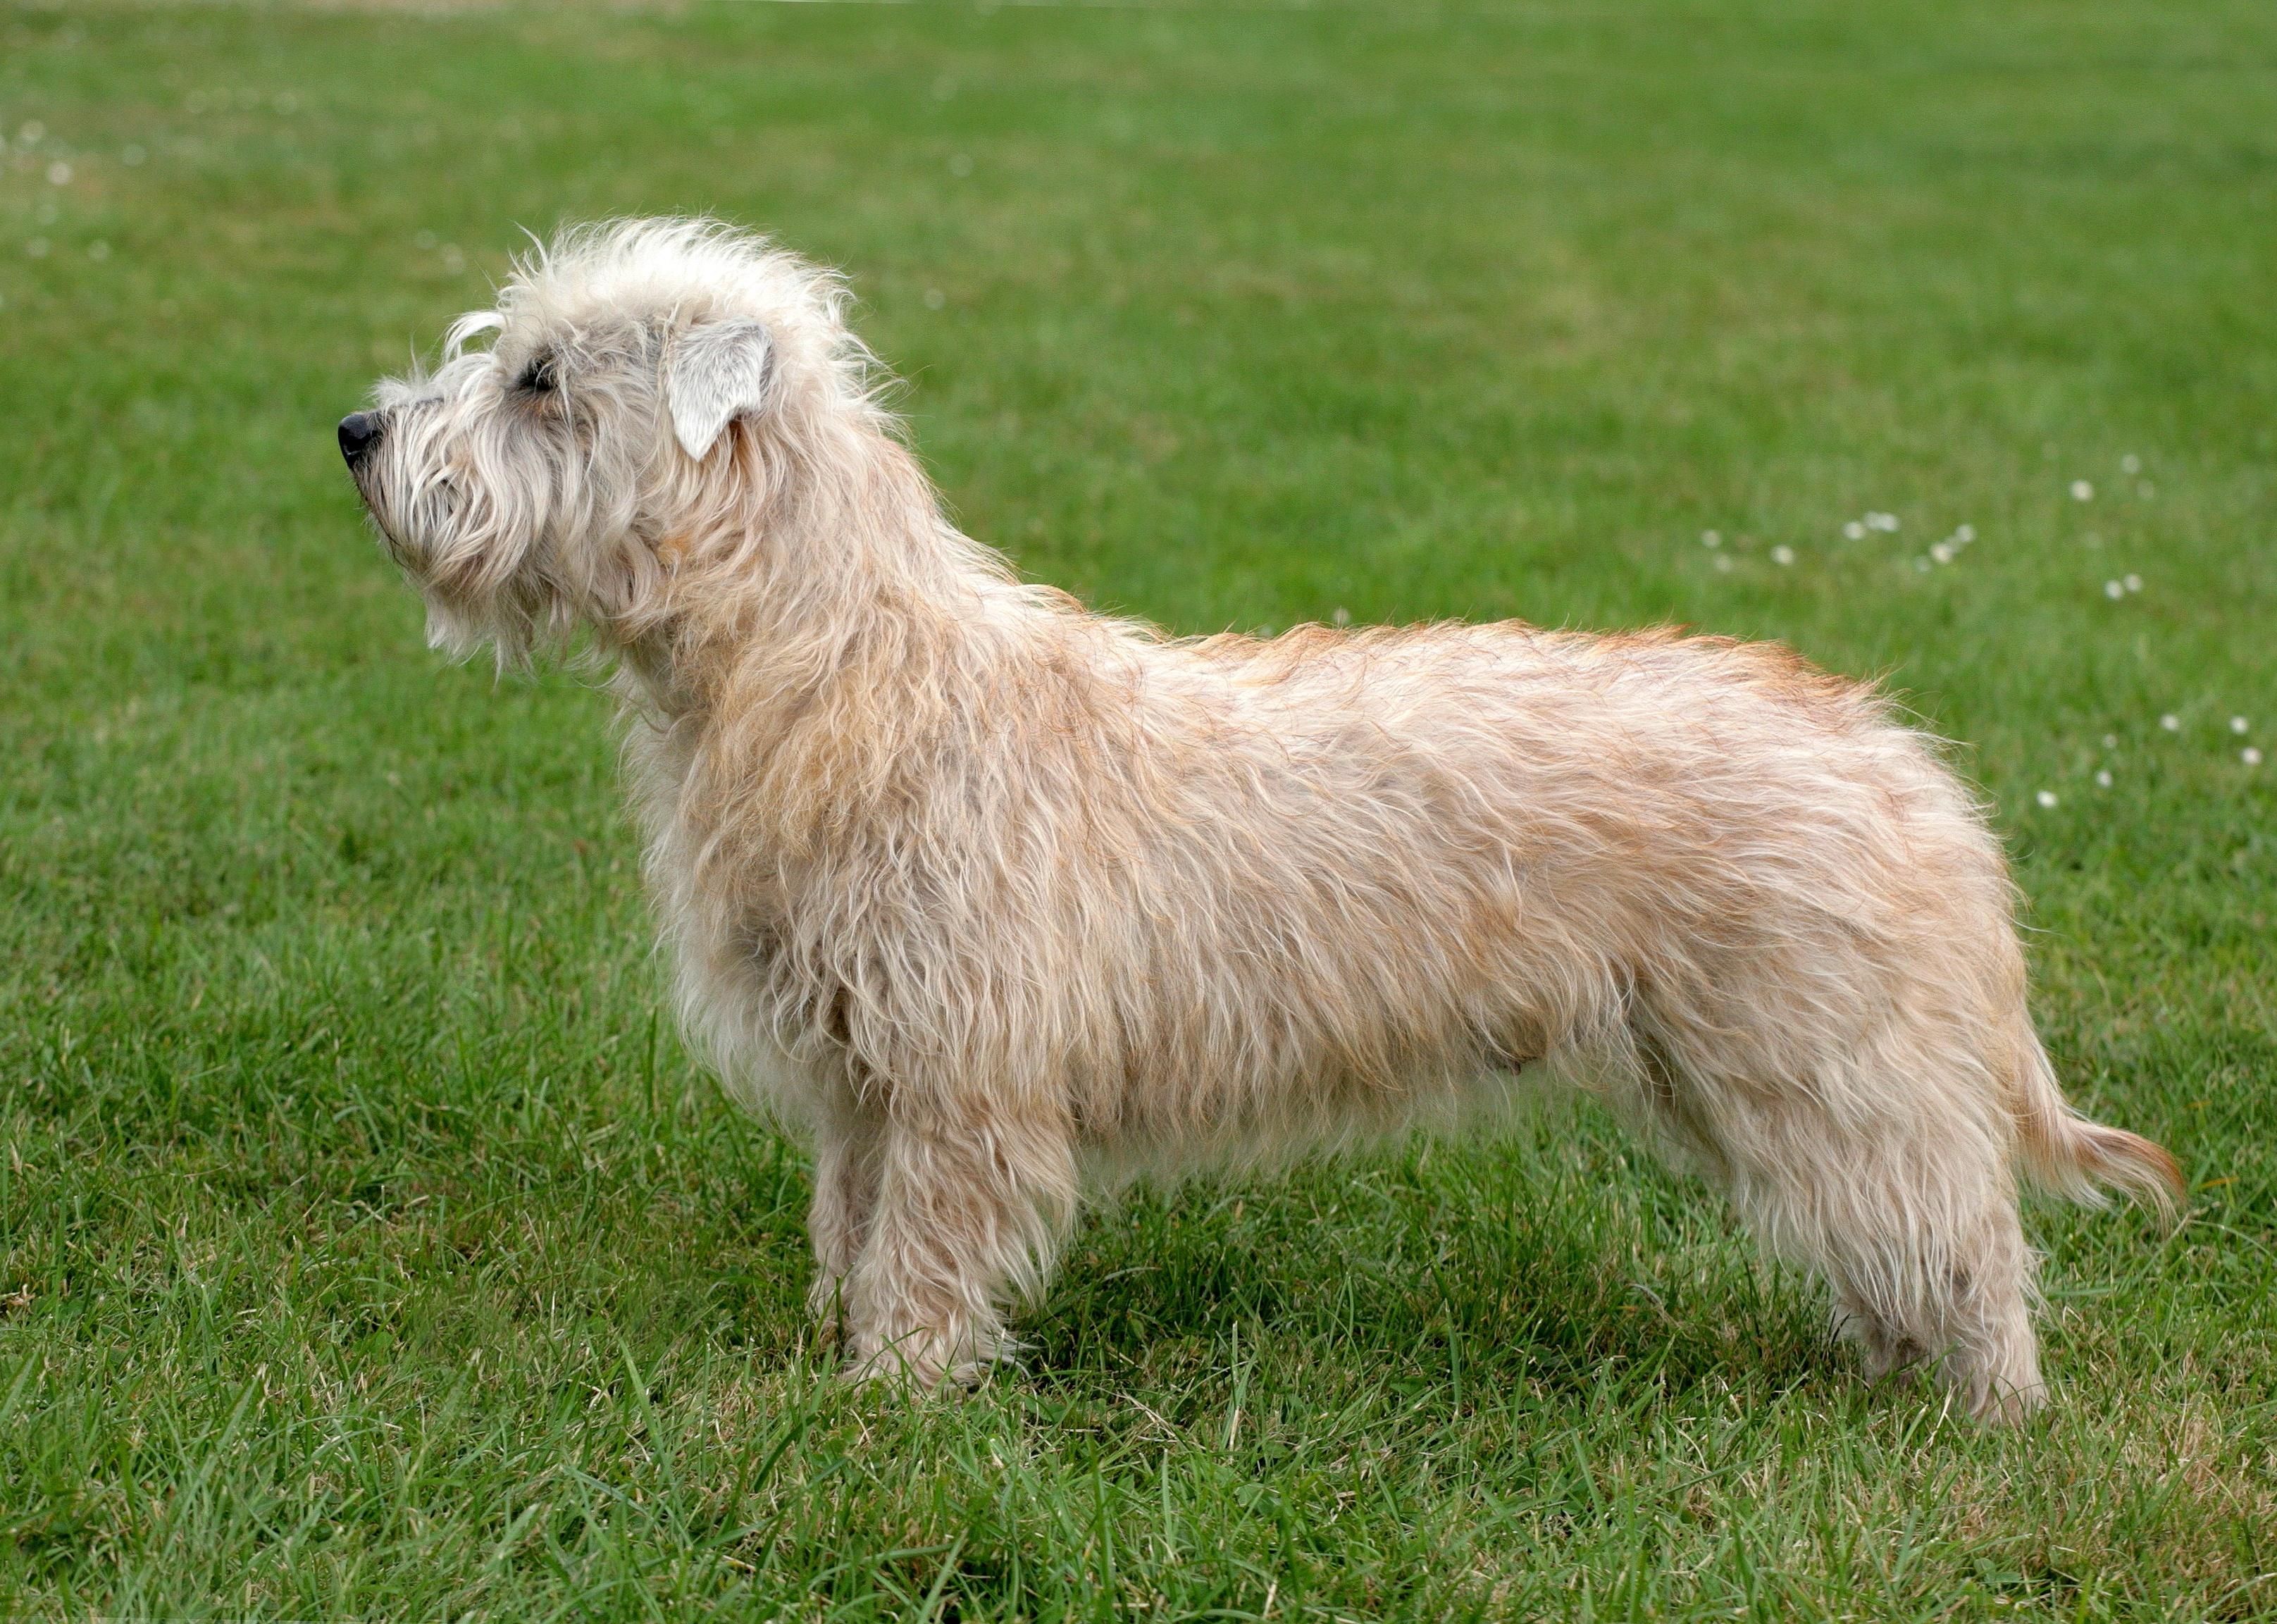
(1854,531)
(2114,589)
(1964,533)
(1942,552)
(2082,491)
(59,174)
(2102,778)
(2250,756)
(1722,563)
(934,299)
(31,133)
(2046,798)
(2134,583)
(2109,741)
(1782,555)
(2130,464)
(1711,538)
(2171,722)
(1881,521)
(2238,724)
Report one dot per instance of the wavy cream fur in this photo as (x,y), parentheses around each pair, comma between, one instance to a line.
(995,900)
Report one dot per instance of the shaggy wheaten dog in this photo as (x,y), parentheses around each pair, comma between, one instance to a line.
(995,900)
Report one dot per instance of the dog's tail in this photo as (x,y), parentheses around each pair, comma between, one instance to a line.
(2066,1153)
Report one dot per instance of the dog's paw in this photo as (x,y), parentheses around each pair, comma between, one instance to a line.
(919,1363)
(2003,1403)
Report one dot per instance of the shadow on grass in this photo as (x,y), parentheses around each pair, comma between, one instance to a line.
(1489,1268)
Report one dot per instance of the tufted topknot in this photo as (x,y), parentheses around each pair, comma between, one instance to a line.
(592,282)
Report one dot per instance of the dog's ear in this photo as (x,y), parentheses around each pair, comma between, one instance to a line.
(713,374)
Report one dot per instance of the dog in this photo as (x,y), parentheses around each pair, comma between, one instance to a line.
(998,903)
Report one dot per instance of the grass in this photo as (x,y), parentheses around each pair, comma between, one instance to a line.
(368,1248)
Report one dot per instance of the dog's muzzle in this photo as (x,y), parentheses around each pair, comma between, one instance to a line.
(359,433)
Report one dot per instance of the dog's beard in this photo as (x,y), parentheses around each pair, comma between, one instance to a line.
(414,520)
(477,585)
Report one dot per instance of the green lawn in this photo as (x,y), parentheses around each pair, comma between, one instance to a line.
(368,1245)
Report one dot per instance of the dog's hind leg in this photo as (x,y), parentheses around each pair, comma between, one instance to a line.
(1895,1186)
(848,1137)
(969,1213)
(1920,1240)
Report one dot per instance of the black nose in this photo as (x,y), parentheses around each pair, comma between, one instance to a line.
(359,433)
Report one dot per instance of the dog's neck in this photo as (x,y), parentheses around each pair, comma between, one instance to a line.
(825,616)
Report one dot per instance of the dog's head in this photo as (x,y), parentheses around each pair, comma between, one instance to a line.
(644,382)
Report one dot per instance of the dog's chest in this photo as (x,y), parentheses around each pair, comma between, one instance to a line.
(748,1003)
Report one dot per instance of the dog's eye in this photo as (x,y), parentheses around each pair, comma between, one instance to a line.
(538,377)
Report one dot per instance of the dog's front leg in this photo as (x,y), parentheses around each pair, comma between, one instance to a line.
(970,1210)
